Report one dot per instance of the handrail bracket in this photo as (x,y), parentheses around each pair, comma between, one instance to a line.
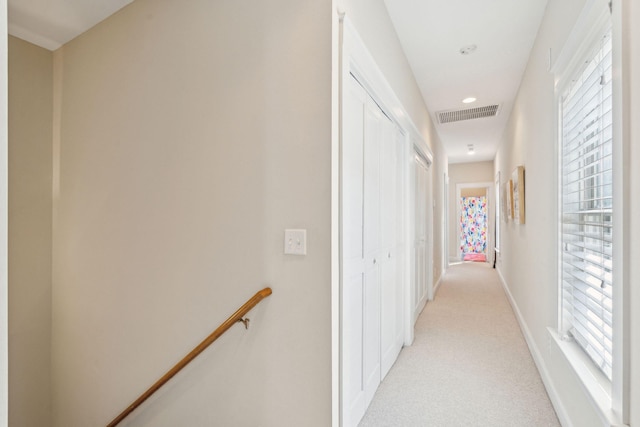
(236,317)
(245,321)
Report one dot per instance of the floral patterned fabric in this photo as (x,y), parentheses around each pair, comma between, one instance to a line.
(473,223)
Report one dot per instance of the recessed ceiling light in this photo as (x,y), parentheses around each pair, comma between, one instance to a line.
(469,100)
(467,50)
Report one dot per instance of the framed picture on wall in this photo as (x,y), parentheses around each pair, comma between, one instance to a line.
(509,199)
(517,177)
(504,202)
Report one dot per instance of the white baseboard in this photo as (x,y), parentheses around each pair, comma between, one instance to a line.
(438,283)
(561,412)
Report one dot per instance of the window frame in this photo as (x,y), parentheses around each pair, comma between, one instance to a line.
(611,398)
(583,197)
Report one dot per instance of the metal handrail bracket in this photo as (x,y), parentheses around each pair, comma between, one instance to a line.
(236,317)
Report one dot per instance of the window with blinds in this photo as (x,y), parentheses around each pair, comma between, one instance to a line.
(586,207)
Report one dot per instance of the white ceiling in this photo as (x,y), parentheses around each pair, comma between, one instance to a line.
(52,23)
(431,32)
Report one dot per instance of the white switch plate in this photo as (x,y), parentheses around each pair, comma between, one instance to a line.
(295,242)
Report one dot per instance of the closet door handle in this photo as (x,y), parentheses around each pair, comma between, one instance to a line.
(389,256)
(374,260)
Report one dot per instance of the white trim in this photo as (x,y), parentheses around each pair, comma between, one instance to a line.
(445,223)
(355,60)
(437,285)
(586,30)
(336,270)
(32,37)
(496,217)
(591,24)
(561,411)
(593,388)
(409,231)
(594,384)
(418,306)
(621,387)
(358,61)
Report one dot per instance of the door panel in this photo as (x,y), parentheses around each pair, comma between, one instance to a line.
(372,287)
(391,284)
(371,331)
(372,136)
(420,237)
(353,380)
(389,313)
(353,280)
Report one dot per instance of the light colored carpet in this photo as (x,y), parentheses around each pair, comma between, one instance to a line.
(469,364)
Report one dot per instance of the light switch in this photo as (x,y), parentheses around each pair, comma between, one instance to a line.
(295,242)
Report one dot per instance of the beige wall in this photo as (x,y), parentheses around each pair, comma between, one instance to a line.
(630,18)
(4,213)
(30,128)
(371,19)
(191,135)
(527,263)
(473,192)
(465,173)
(529,141)
(178,160)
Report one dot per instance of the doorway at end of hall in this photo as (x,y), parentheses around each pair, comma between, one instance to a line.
(473,224)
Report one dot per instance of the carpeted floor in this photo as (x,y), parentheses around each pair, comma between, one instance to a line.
(469,364)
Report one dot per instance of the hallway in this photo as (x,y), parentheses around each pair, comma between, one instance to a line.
(469,364)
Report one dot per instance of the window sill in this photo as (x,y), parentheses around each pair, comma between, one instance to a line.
(596,386)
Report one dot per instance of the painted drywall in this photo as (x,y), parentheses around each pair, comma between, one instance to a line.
(630,16)
(372,21)
(463,173)
(30,172)
(473,192)
(529,141)
(373,24)
(4,213)
(527,262)
(191,135)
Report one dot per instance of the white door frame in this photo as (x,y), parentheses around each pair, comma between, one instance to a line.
(412,314)
(489,188)
(445,224)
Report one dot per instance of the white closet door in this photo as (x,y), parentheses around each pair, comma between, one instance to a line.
(399,218)
(353,396)
(390,267)
(420,236)
(372,304)
(373,130)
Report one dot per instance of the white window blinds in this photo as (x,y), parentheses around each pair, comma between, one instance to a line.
(586,207)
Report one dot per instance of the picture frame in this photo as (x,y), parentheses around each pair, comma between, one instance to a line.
(518,195)
(504,202)
(509,199)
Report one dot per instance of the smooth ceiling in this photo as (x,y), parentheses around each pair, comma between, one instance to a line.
(432,32)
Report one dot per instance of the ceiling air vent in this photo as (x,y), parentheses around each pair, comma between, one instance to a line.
(468,114)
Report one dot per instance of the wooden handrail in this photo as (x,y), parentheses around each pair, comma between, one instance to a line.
(232,320)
